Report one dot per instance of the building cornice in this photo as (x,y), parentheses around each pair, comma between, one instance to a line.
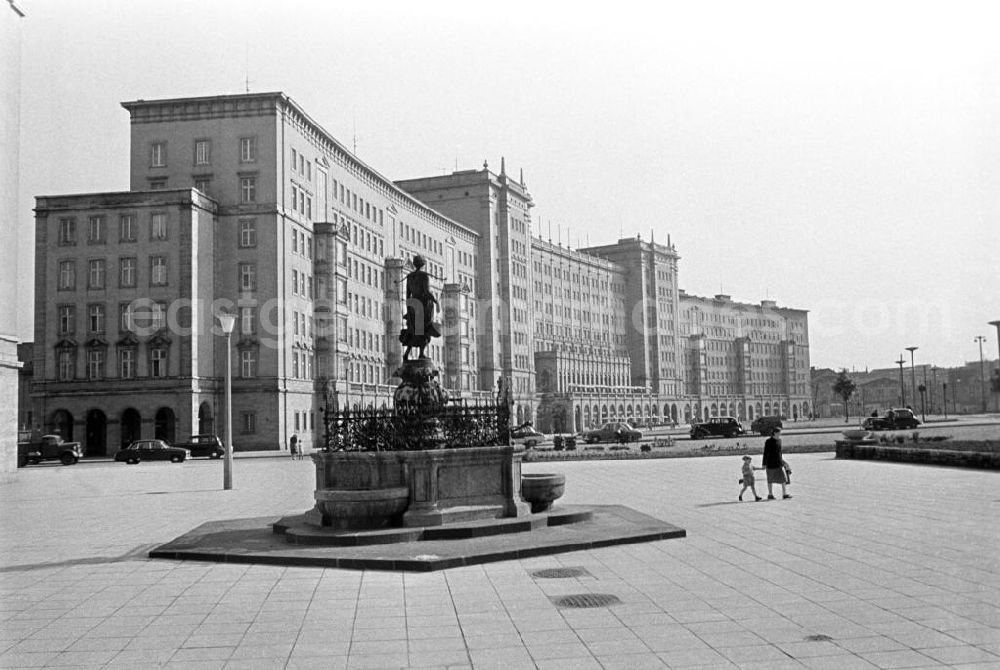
(276,103)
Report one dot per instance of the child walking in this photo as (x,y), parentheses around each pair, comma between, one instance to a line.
(747,480)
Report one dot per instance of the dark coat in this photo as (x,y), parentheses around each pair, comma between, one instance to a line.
(772,453)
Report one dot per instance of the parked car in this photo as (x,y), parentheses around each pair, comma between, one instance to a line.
(202,446)
(765,425)
(717,426)
(151,450)
(616,431)
(48,448)
(894,419)
(527,435)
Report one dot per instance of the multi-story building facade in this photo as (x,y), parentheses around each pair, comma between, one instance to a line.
(11,18)
(244,204)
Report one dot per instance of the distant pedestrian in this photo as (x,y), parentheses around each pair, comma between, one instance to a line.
(293,446)
(774,465)
(748,479)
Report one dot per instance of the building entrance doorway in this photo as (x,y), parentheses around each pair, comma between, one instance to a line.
(131,426)
(164,425)
(97,433)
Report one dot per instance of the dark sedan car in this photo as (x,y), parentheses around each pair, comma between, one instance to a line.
(894,419)
(151,450)
(616,431)
(202,446)
(527,435)
(717,426)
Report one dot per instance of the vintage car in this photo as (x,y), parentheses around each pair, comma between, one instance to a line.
(717,426)
(204,446)
(616,431)
(894,419)
(527,435)
(48,448)
(151,450)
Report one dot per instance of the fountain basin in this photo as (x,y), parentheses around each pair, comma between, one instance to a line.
(541,490)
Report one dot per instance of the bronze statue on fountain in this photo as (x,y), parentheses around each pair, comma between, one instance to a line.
(420,388)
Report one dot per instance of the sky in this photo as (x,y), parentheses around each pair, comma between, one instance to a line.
(842,158)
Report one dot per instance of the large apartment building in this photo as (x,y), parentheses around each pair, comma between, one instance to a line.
(244,204)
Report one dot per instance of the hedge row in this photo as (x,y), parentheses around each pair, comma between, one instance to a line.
(962,454)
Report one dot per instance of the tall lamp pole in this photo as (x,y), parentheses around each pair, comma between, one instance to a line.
(913,373)
(902,385)
(982,371)
(227,321)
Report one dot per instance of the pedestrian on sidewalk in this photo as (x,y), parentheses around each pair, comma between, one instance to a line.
(293,446)
(774,465)
(748,480)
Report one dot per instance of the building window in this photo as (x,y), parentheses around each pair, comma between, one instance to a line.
(295,363)
(248,277)
(248,233)
(67,231)
(96,273)
(157,270)
(67,364)
(295,282)
(126,272)
(248,363)
(202,152)
(247,321)
(67,275)
(125,317)
(158,362)
(248,149)
(95,364)
(96,230)
(158,226)
(95,318)
(248,189)
(248,423)
(157,184)
(158,154)
(342,290)
(126,228)
(158,316)
(203,184)
(67,320)
(126,363)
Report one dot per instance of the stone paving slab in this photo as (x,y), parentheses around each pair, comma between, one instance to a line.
(254,541)
(894,565)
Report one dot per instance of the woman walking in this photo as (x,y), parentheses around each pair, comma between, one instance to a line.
(774,465)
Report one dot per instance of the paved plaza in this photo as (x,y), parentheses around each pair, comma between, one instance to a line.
(870,565)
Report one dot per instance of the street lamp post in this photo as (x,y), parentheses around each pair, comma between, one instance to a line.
(944,397)
(227,321)
(902,385)
(913,374)
(982,371)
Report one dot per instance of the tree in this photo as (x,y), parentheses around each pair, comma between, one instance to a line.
(844,386)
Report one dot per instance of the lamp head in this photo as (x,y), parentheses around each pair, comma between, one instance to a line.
(227,321)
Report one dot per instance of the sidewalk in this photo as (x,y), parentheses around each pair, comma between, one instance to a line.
(870,565)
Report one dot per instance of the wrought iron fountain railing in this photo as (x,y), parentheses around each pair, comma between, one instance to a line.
(452,425)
